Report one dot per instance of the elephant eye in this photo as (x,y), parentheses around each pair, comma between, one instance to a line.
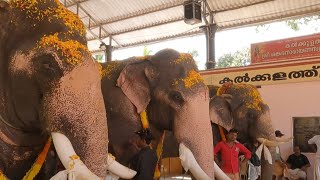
(47,67)
(176,96)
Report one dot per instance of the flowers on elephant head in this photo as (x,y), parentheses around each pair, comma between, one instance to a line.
(35,10)
(110,68)
(70,49)
(184,58)
(246,91)
(190,80)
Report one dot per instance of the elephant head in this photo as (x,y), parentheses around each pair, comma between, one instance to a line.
(49,84)
(168,86)
(241,106)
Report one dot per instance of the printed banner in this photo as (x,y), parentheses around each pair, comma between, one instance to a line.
(271,74)
(286,49)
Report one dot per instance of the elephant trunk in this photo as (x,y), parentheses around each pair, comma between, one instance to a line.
(75,108)
(267,138)
(193,129)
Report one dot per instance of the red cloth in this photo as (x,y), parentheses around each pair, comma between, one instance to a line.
(229,156)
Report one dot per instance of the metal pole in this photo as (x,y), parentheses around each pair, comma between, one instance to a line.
(108,53)
(210,31)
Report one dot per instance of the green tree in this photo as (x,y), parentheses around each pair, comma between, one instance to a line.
(294,24)
(239,58)
(99,58)
(194,53)
(146,51)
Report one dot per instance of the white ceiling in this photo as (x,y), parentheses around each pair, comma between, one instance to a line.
(137,22)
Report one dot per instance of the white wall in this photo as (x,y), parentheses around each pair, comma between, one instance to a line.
(290,100)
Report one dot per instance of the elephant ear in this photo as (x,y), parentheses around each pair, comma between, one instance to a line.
(136,80)
(220,111)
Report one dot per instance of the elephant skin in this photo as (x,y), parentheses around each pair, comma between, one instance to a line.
(48,83)
(167,85)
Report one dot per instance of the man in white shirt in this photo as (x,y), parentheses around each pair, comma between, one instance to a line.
(316,140)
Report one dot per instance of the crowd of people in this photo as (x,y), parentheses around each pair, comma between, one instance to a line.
(295,167)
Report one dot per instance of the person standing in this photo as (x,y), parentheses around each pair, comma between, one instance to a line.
(145,161)
(229,150)
(279,163)
(316,171)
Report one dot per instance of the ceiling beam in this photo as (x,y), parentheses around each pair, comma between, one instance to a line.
(98,37)
(153,41)
(239,7)
(146,26)
(74,3)
(139,13)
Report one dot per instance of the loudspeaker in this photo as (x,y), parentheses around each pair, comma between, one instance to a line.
(192,12)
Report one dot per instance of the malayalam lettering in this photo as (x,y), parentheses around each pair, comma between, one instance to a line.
(277,76)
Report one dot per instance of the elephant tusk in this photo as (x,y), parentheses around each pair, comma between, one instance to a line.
(69,159)
(269,143)
(218,173)
(118,169)
(189,163)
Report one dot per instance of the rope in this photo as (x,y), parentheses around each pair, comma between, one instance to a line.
(10,125)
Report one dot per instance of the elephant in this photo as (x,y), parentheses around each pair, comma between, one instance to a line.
(50,86)
(241,106)
(168,87)
(237,106)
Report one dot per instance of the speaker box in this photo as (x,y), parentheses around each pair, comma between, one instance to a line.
(192,12)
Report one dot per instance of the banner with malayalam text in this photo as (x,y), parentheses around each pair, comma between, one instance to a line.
(303,47)
(266,74)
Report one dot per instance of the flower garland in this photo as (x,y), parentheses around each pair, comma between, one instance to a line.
(144,119)
(72,50)
(190,80)
(157,172)
(33,10)
(145,125)
(39,162)
(2,176)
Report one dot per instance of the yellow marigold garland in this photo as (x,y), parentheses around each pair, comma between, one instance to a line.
(2,176)
(192,79)
(157,172)
(70,49)
(39,162)
(107,71)
(144,119)
(247,91)
(32,11)
(183,58)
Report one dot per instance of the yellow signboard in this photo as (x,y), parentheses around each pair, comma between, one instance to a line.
(265,74)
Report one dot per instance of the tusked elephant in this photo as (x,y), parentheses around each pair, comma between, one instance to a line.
(237,106)
(49,86)
(168,86)
(241,106)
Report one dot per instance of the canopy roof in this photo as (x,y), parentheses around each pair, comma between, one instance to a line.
(136,22)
